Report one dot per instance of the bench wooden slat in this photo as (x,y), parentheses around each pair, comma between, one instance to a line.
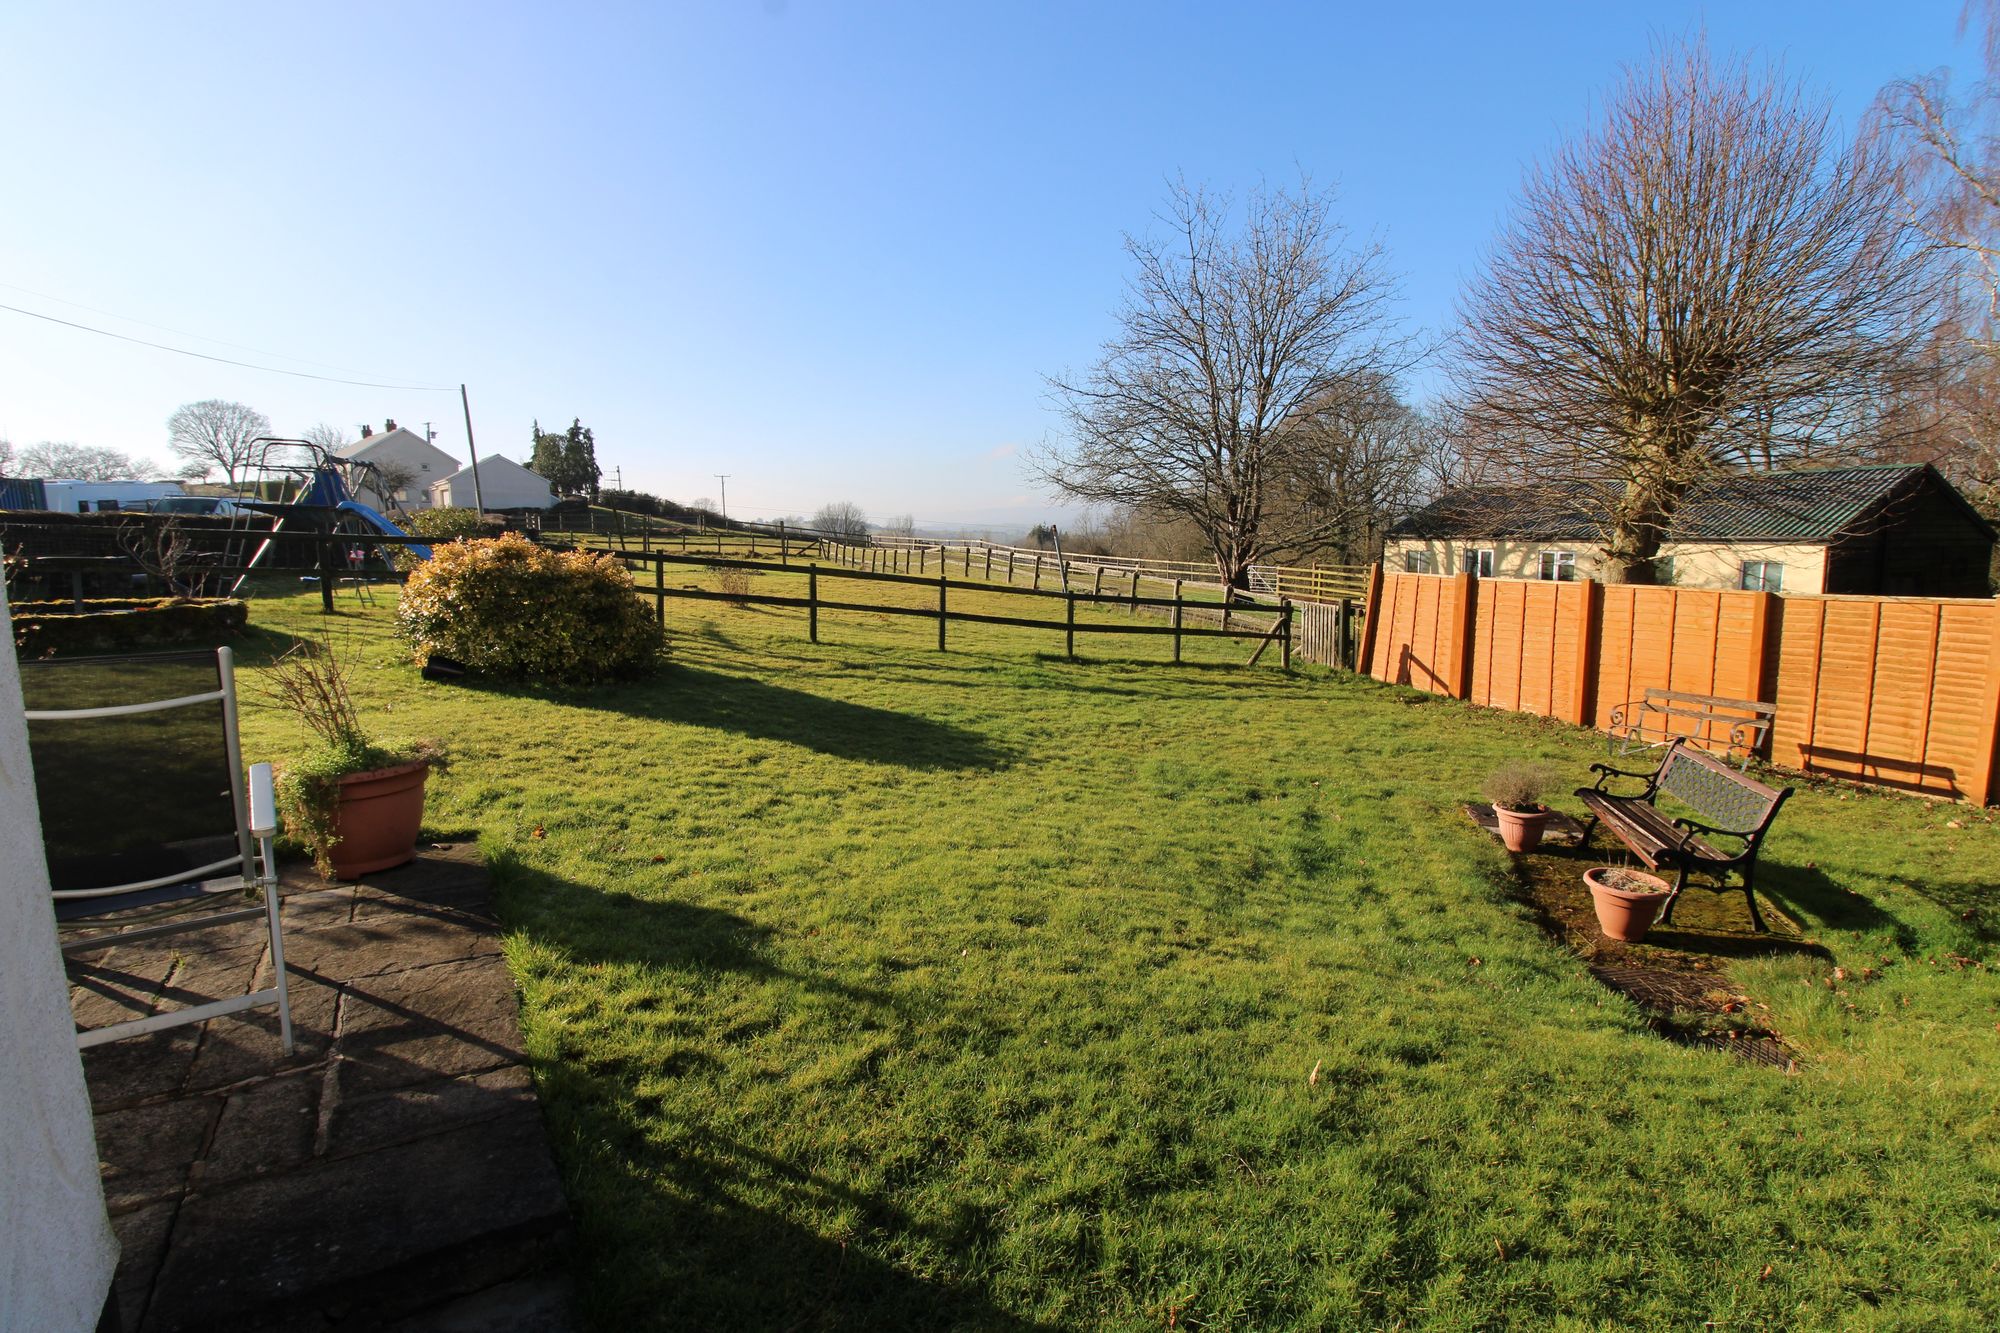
(1714,700)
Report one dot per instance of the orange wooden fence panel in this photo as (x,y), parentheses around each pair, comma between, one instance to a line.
(1899,691)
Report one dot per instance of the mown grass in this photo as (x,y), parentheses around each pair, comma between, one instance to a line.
(872,987)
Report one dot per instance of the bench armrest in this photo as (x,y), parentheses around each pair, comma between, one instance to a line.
(1605,771)
(1694,826)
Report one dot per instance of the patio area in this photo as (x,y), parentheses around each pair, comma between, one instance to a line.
(392,1172)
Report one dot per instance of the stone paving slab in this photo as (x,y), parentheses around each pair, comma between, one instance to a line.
(392,1171)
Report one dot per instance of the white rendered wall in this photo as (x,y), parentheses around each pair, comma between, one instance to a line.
(56,1249)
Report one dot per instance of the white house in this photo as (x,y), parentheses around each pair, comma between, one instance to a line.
(92,497)
(503,484)
(399,449)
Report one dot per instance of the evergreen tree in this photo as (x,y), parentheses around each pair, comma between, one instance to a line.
(579,461)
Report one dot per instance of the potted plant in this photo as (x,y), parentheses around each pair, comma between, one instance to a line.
(1627,901)
(1516,794)
(355,803)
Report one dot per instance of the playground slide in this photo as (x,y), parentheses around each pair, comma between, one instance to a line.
(382,525)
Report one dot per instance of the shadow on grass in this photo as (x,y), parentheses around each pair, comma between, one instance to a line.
(679,1217)
(591,925)
(683,1224)
(745,706)
(1807,894)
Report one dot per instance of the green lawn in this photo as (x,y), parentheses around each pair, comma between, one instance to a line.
(873,987)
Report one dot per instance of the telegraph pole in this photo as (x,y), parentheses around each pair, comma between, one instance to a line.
(724,477)
(478,497)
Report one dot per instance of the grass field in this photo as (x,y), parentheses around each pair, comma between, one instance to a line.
(873,987)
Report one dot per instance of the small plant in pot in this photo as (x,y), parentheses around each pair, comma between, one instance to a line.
(356,803)
(1516,793)
(1627,901)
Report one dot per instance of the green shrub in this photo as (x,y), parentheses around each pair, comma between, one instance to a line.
(444,523)
(507,607)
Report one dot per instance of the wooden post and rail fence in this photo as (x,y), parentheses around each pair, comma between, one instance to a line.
(1248,624)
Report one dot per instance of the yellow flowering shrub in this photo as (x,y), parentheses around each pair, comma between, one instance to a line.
(506,607)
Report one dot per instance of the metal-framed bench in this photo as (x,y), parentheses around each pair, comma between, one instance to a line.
(1729,804)
(1666,716)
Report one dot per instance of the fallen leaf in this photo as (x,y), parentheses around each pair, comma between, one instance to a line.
(1502,1248)
(1312,1079)
(539,832)
(657,858)
(1765,1276)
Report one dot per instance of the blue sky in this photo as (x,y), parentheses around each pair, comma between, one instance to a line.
(828,249)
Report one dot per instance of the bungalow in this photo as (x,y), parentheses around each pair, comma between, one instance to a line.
(503,484)
(1895,529)
(400,450)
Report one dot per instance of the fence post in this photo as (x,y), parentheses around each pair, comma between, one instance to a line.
(1343,644)
(1459,648)
(943,583)
(1760,644)
(1038,573)
(1010,566)
(1134,608)
(1987,790)
(784,550)
(1285,630)
(326,578)
(1363,659)
(1586,653)
(1177,620)
(1228,597)
(923,558)
(660,592)
(1097,582)
(812,602)
(989,565)
(1069,631)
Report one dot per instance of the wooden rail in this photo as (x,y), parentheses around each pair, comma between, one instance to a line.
(1278,630)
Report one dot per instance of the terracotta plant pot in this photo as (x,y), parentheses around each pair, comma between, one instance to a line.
(1521,830)
(1626,913)
(378,818)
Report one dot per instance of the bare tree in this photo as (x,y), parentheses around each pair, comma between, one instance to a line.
(843,520)
(386,481)
(6,458)
(84,462)
(328,437)
(1706,279)
(1234,347)
(1951,140)
(217,432)
(900,525)
(1359,470)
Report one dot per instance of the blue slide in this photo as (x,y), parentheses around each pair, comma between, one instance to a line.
(382,525)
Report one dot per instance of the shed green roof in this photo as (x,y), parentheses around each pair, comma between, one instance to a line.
(1806,506)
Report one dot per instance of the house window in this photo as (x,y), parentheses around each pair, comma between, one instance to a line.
(1480,562)
(107,506)
(1559,566)
(1417,562)
(1763,576)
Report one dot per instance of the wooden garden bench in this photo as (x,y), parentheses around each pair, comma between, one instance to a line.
(1666,716)
(1728,804)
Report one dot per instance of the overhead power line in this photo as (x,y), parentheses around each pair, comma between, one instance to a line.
(185,333)
(227,361)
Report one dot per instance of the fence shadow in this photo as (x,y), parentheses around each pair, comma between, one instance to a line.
(1809,895)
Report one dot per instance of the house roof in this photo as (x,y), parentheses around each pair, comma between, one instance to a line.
(498,464)
(402,438)
(1806,506)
